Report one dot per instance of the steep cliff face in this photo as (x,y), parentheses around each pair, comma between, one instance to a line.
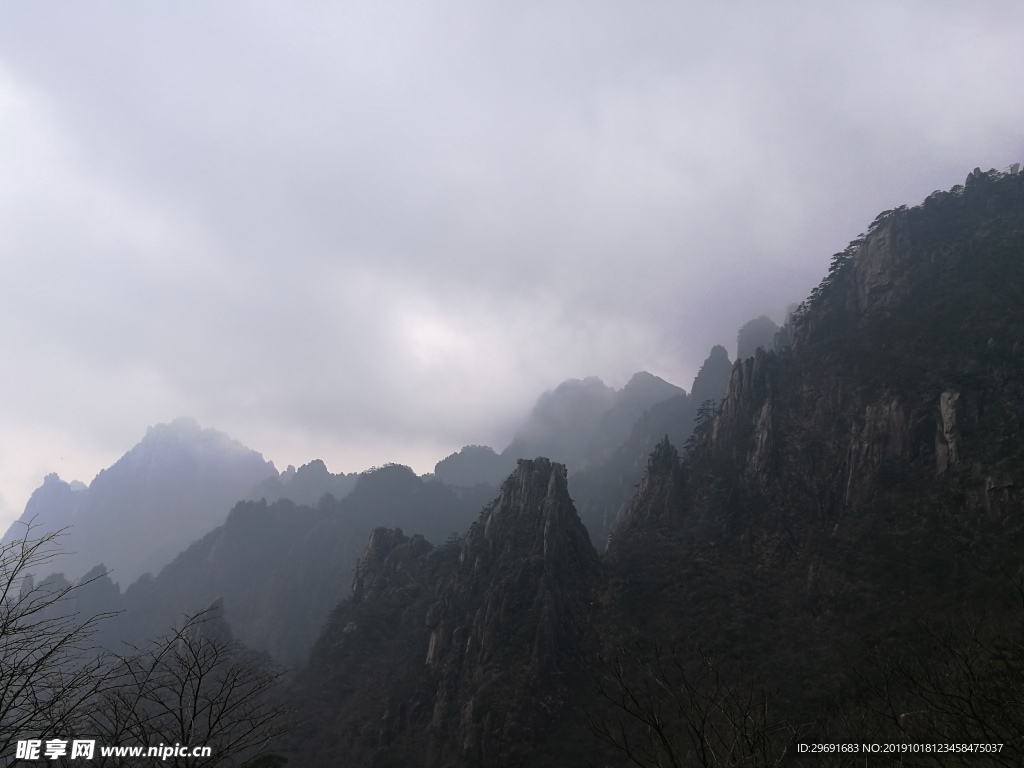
(857,489)
(892,424)
(906,357)
(486,631)
(511,620)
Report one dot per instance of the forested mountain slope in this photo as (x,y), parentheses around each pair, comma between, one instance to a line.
(836,552)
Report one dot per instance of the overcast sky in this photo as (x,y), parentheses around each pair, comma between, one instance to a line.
(373,232)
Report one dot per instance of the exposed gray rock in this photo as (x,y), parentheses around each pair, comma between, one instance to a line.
(947,437)
(997,495)
(883,434)
(879,266)
(491,633)
(761,451)
(750,385)
(526,568)
(382,565)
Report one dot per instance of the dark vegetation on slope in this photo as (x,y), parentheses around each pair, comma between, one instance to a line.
(831,551)
(836,554)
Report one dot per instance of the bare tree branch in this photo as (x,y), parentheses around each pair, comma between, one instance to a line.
(672,708)
(49,666)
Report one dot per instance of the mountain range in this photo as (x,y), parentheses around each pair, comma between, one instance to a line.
(282,557)
(832,555)
(820,542)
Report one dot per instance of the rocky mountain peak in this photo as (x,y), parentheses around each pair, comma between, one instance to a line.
(490,625)
(659,497)
(532,500)
(713,376)
(646,388)
(173,486)
(512,618)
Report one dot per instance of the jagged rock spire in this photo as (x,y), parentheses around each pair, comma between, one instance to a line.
(659,498)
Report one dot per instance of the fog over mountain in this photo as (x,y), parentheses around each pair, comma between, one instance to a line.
(833,558)
(368,233)
(173,487)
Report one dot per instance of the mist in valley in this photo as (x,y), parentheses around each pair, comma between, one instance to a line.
(435,385)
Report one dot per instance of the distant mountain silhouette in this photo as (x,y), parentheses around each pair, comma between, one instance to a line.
(280,568)
(581,422)
(603,491)
(564,423)
(758,333)
(473,465)
(712,378)
(177,484)
(305,485)
(602,435)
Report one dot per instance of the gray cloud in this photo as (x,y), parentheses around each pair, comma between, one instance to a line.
(374,233)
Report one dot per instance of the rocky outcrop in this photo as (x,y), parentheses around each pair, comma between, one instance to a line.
(659,500)
(898,397)
(760,459)
(382,565)
(879,266)
(602,493)
(513,620)
(489,628)
(882,434)
(747,410)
